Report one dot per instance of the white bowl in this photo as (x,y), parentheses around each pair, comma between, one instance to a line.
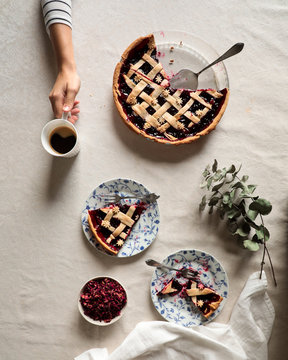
(100,322)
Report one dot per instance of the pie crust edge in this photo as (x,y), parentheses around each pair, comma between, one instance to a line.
(116,92)
(102,243)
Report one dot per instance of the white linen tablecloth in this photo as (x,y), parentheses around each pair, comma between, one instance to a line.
(245,337)
(45,256)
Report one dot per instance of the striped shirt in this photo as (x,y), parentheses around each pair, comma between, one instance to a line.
(56,11)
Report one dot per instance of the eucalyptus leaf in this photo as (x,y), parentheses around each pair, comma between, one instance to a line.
(251,188)
(226,198)
(238,169)
(232,226)
(263,206)
(206,172)
(253,224)
(251,245)
(203,184)
(252,214)
(262,233)
(245,178)
(213,201)
(233,213)
(222,213)
(209,182)
(218,175)
(232,194)
(238,185)
(243,231)
(214,166)
(203,203)
(242,206)
(231,169)
(218,186)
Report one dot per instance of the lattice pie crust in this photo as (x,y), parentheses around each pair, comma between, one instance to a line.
(149,106)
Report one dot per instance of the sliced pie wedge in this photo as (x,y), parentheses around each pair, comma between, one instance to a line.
(112,225)
(203,297)
(172,288)
(152,108)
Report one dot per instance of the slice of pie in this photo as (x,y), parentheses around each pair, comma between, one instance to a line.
(152,108)
(203,297)
(172,288)
(112,225)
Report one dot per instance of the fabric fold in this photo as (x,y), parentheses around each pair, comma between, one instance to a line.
(245,337)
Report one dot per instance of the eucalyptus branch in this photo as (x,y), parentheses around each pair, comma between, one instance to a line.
(237,204)
(265,250)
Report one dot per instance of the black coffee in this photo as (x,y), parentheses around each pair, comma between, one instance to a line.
(62,139)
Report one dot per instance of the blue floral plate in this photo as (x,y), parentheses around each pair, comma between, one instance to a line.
(143,232)
(180,310)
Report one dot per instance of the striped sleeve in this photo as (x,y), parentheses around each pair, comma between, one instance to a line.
(57,11)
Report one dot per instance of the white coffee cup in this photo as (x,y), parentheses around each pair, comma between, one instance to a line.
(61,125)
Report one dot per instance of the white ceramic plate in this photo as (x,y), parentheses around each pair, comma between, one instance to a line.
(144,231)
(190,52)
(179,310)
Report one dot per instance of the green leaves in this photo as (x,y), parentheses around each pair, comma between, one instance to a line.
(251,245)
(262,206)
(234,200)
(202,205)
(262,234)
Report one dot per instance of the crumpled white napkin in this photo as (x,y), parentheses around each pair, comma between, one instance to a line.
(244,337)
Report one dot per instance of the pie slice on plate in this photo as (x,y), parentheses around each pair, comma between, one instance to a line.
(203,297)
(112,225)
(172,288)
(152,108)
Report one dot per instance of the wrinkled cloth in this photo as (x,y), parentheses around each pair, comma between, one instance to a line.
(245,337)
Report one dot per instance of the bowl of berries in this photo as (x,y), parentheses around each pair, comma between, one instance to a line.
(102,300)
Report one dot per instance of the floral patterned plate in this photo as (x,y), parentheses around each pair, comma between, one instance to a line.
(144,231)
(179,310)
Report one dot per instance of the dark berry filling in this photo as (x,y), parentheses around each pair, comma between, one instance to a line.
(207,299)
(185,96)
(133,57)
(175,285)
(203,301)
(97,216)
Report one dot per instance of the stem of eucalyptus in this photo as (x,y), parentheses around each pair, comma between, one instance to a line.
(232,202)
(265,250)
(272,268)
(262,262)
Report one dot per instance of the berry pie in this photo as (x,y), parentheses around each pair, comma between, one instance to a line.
(151,107)
(172,288)
(112,225)
(204,298)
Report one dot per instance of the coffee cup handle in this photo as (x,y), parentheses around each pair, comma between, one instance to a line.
(65,115)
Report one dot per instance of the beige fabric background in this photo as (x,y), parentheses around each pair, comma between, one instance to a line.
(45,255)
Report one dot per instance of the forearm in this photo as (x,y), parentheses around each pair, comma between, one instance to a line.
(58,23)
(61,38)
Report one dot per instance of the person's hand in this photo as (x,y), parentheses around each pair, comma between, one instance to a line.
(63,94)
